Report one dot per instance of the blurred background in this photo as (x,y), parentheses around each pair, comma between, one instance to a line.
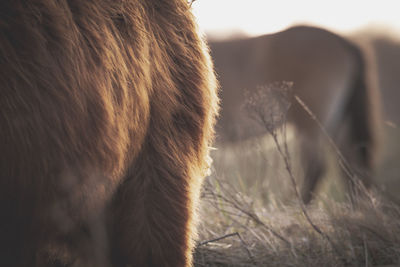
(252,163)
(345,70)
(222,18)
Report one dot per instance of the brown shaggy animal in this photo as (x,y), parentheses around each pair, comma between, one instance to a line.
(334,78)
(106,115)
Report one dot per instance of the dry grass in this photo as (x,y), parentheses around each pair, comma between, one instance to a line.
(251,215)
(255,235)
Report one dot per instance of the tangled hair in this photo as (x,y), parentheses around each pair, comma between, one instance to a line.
(106,113)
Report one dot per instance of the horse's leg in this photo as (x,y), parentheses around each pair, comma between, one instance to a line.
(313,162)
(362,129)
(353,144)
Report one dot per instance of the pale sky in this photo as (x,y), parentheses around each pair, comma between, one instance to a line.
(257,17)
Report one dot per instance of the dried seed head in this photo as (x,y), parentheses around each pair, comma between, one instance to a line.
(269,104)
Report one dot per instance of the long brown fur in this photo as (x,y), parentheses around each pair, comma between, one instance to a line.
(332,76)
(106,115)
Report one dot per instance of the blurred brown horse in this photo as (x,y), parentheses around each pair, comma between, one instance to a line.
(329,74)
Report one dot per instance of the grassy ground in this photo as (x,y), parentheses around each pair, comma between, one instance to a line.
(250,216)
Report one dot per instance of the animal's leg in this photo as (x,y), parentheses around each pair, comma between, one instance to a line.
(363,123)
(359,160)
(151,215)
(313,162)
(358,143)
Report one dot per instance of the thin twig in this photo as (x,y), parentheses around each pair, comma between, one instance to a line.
(302,206)
(251,257)
(365,251)
(216,239)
